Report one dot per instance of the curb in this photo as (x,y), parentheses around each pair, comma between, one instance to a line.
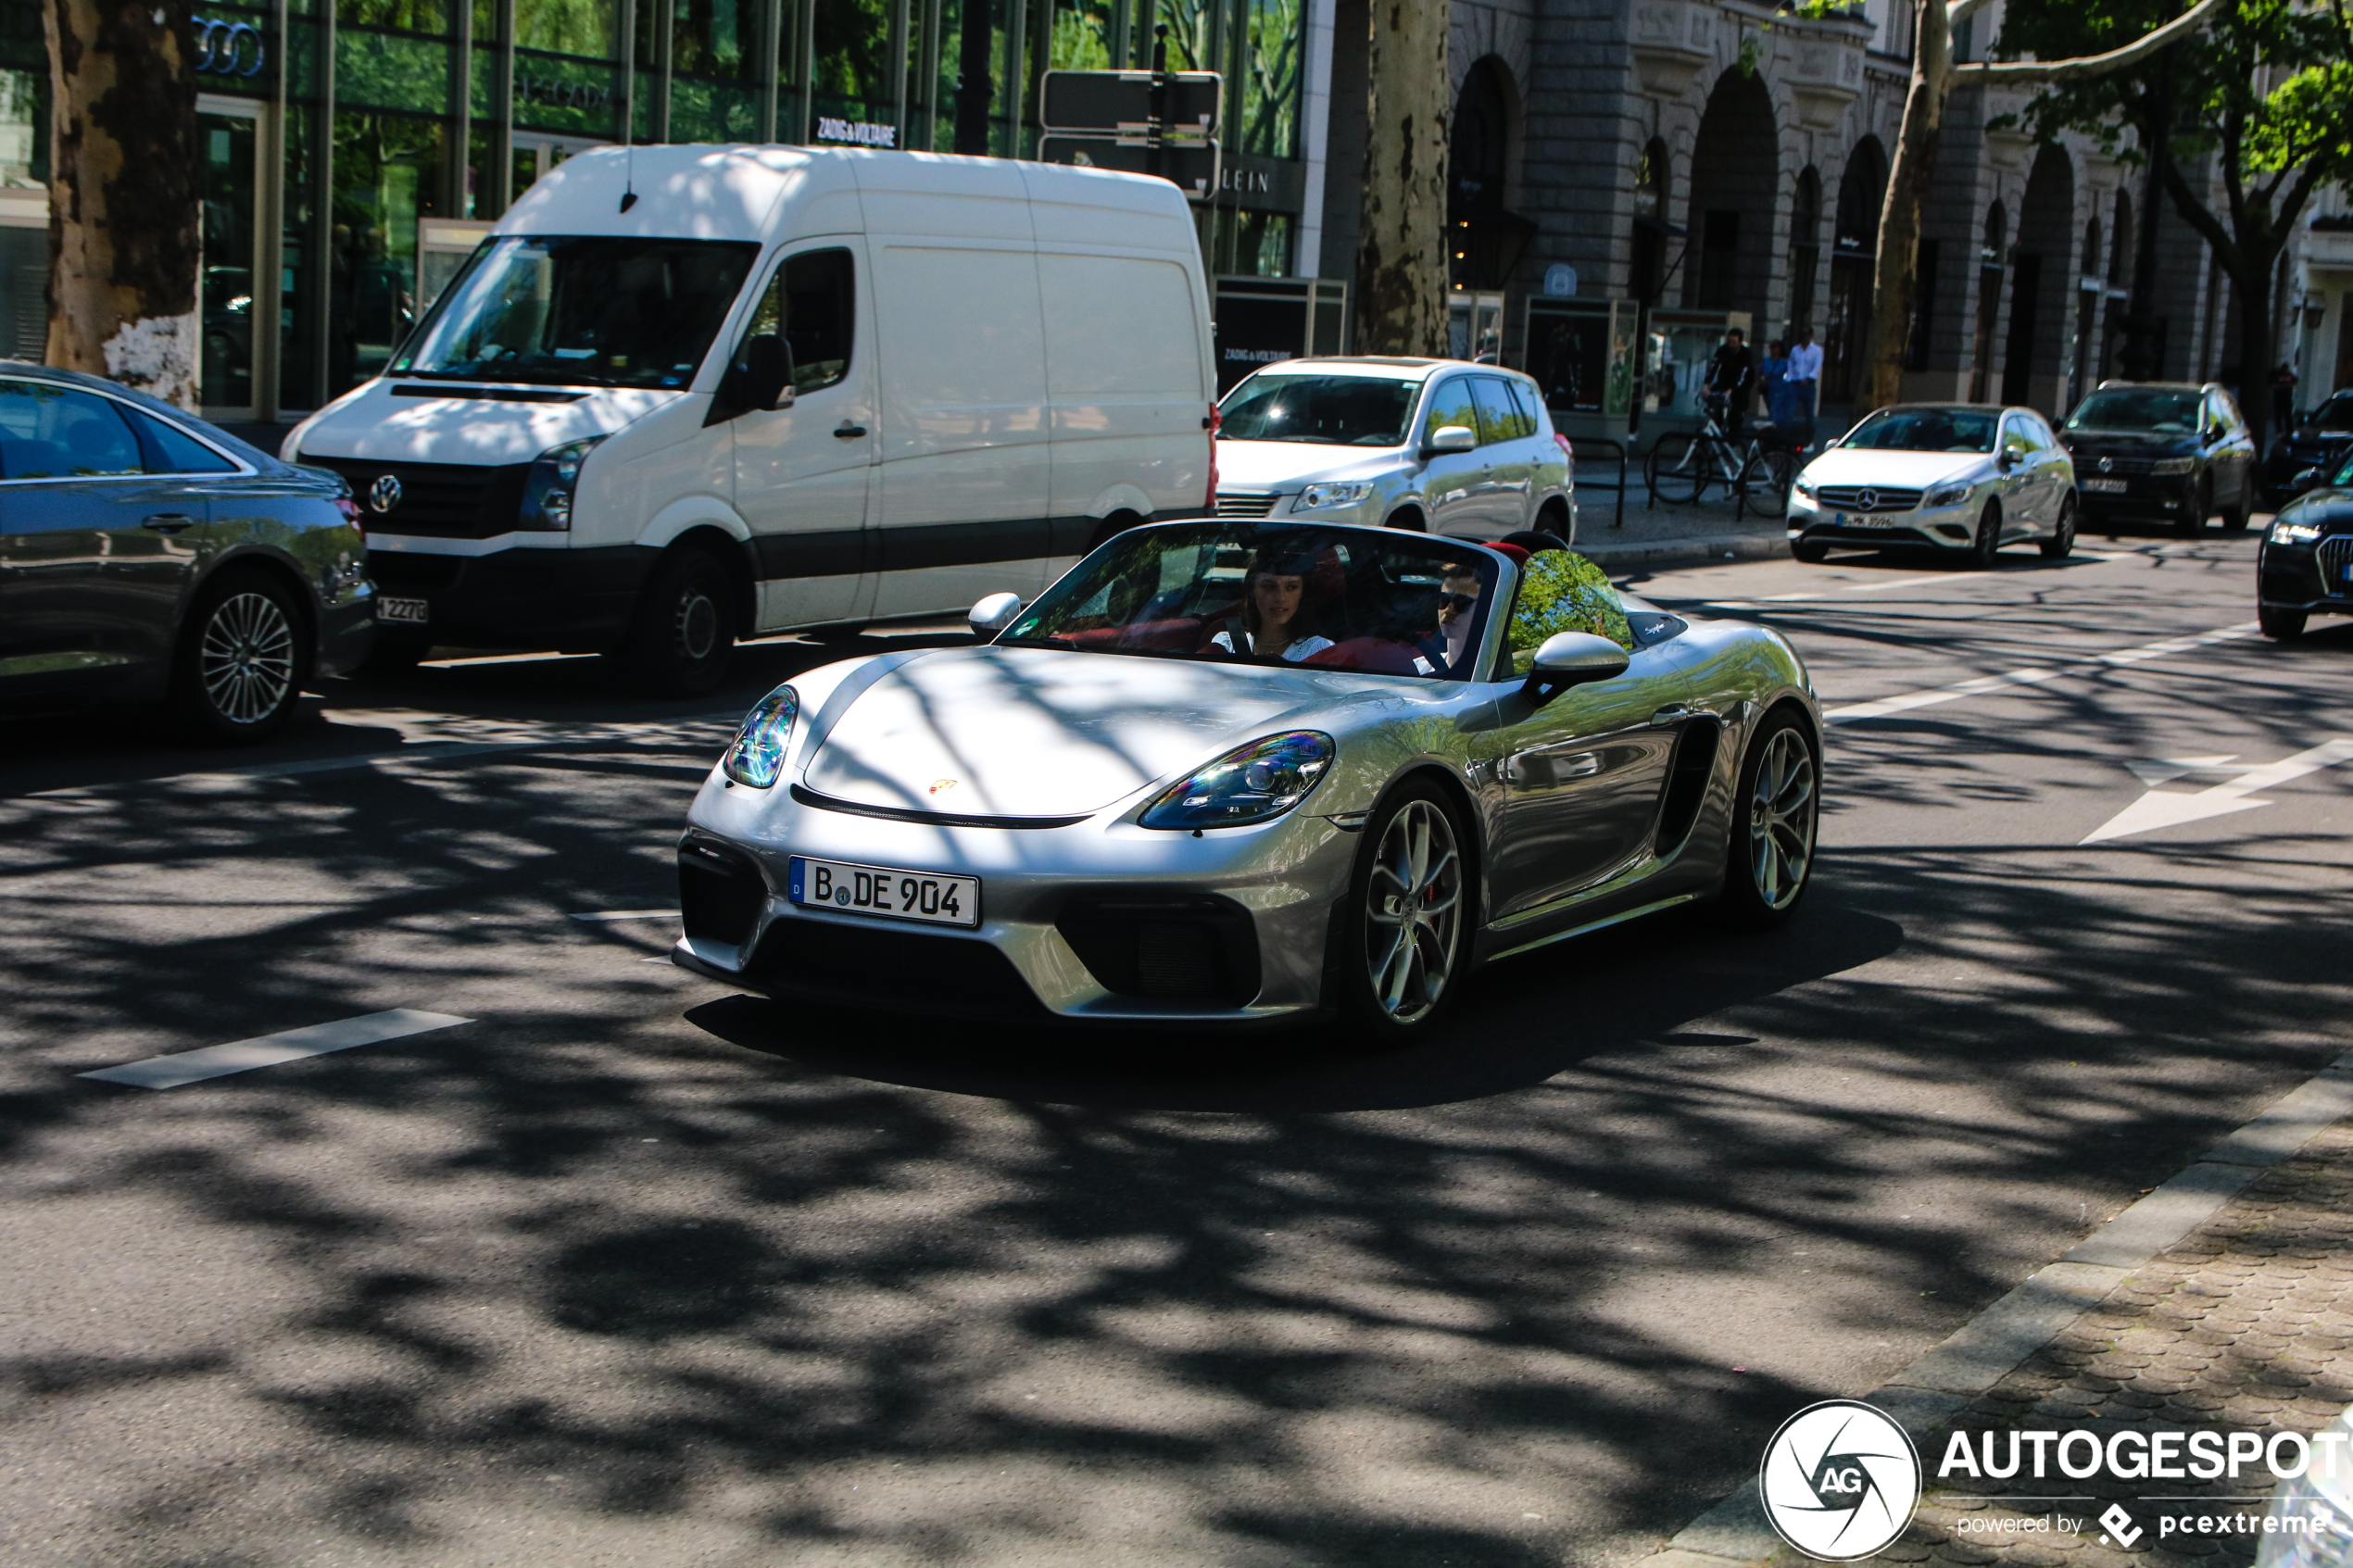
(1690,550)
(1987,1348)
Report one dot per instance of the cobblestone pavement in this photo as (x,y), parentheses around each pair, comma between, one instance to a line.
(2246,1324)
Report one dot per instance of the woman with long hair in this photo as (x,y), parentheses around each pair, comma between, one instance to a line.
(1274,596)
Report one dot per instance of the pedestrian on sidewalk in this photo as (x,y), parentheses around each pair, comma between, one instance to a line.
(1805,371)
(1732,375)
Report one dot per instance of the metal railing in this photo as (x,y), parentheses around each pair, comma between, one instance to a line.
(1613,449)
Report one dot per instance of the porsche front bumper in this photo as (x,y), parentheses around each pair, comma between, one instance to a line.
(1097,919)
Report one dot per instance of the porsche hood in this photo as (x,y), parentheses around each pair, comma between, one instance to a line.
(1041,732)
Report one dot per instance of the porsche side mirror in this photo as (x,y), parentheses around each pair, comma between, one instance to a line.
(992,614)
(1571,659)
(1450,438)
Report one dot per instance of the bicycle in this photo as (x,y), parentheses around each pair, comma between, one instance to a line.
(1681,467)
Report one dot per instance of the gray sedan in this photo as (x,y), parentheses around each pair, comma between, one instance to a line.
(144,554)
(1231,771)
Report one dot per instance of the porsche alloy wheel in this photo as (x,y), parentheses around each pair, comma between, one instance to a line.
(1409,898)
(1776,816)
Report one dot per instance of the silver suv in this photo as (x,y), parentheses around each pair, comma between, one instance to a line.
(1433,446)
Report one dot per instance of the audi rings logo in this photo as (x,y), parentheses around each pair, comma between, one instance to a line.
(1840,1480)
(227,48)
(385,494)
(1867,500)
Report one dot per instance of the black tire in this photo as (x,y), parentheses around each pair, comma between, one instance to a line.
(1813,552)
(2196,507)
(1535,541)
(244,655)
(2063,540)
(1761,890)
(1677,469)
(1112,528)
(684,636)
(1409,521)
(1553,518)
(1389,997)
(1766,472)
(2237,516)
(2280,626)
(1988,548)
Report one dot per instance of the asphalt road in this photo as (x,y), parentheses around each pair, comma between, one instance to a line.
(628,1269)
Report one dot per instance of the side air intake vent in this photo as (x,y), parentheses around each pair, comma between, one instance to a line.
(1687,779)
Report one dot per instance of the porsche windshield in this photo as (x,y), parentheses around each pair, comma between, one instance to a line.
(1925,430)
(1319,410)
(1327,598)
(581,311)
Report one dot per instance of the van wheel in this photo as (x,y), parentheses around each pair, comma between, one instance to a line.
(684,636)
(1112,528)
(244,658)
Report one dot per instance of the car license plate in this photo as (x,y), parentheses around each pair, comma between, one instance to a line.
(1861,520)
(2106,486)
(411,610)
(883,890)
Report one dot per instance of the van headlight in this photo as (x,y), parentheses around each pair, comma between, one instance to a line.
(1945,495)
(757,758)
(2172,467)
(1336,493)
(547,491)
(1251,784)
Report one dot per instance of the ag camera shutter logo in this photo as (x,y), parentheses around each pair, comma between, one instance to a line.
(1840,1480)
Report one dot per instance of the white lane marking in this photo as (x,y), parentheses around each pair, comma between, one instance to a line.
(503,658)
(269,1050)
(2165,769)
(2033,675)
(630,914)
(2169,808)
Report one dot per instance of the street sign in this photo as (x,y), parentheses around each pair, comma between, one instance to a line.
(1191,166)
(1119,103)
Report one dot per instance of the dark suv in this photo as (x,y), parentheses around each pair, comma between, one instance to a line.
(2163,451)
(2301,457)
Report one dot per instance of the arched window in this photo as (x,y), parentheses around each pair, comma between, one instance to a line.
(1486,240)
(2123,241)
(1989,301)
(1805,248)
(1854,251)
(2092,248)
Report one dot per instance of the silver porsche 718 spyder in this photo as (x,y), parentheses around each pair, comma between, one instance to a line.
(1228,771)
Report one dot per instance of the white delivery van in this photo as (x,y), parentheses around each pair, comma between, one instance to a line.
(682,396)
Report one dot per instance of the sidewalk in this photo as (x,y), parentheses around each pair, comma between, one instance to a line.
(1668,535)
(2243,1323)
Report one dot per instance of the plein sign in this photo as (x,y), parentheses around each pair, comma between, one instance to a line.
(1191,166)
(1106,103)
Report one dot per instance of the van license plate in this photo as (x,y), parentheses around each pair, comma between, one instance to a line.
(2107,486)
(882,890)
(412,612)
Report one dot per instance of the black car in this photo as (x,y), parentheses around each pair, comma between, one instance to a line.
(2321,440)
(2161,451)
(2306,567)
(144,554)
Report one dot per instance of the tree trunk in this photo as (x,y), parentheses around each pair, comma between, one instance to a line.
(2256,348)
(2138,357)
(1401,261)
(975,46)
(1896,270)
(125,235)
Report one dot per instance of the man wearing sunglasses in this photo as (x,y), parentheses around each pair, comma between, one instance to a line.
(1455,618)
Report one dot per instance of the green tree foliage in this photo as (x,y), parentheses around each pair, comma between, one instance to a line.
(2266,90)
(1561,591)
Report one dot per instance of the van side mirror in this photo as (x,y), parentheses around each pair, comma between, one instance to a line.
(761,377)
(991,614)
(1450,438)
(1571,659)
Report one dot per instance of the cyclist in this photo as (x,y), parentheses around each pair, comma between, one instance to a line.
(1732,375)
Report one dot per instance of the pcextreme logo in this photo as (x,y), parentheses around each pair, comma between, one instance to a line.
(1840,1480)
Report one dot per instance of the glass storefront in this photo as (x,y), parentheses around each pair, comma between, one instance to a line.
(334,129)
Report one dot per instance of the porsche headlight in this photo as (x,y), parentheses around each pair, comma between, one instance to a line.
(757,758)
(1946,495)
(2172,467)
(1336,493)
(1253,783)
(2288,531)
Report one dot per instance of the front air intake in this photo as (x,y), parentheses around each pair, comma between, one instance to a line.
(720,894)
(1179,946)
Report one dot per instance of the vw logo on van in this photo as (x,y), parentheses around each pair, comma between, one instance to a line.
(385,494)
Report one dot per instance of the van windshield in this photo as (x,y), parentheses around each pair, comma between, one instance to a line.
(1319,410)
(581,311)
